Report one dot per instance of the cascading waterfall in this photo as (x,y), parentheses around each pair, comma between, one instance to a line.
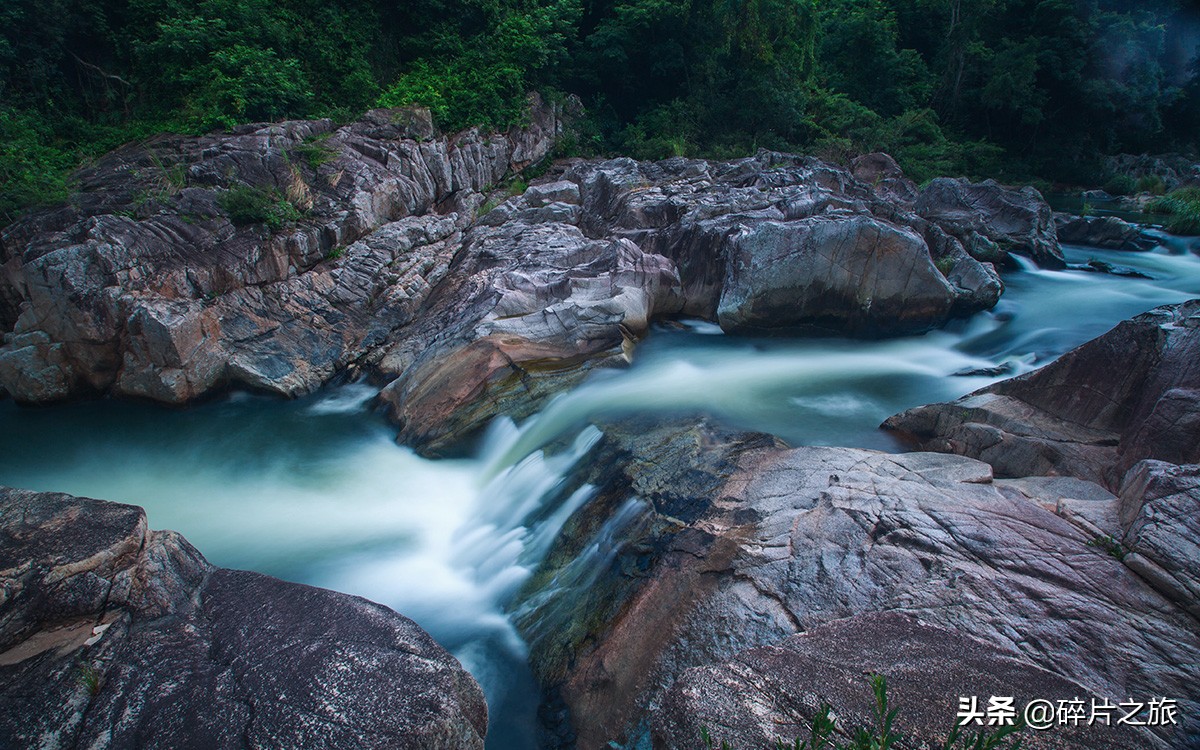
(317,491)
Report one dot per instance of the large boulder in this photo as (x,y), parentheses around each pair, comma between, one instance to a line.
(530,309)
(114,636)
(1129,395)
(858,275)
(885,177)
(714,543)
(1107,232)
(991,220)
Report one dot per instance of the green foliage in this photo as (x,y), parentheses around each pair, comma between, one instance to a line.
(1120,184)
(1004,88)
(1150,183)
(246,84)
(90,677)
(460,93)
(32,172)
(1109,545)
(1182,210)
(474,61)
(246,205)
(315,151)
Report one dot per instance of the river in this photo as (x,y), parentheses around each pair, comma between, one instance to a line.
(317,491)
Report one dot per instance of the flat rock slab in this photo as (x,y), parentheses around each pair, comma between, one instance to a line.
(112,636)
(771,694)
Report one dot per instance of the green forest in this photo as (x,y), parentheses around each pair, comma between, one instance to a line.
(1016,89)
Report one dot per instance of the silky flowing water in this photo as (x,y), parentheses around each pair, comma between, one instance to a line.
(317,491)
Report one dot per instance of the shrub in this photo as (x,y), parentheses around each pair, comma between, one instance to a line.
(462,92)
(1150,183)
(32,173)
(246,204)
(1120,184)
(1181,208)
(315,151)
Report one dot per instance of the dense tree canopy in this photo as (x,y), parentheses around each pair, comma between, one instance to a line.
(1004,87)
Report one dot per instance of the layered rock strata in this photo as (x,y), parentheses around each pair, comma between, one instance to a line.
(173,270)
(773,693)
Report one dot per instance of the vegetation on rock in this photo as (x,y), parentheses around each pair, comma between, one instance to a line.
(1182,210)
(250,205)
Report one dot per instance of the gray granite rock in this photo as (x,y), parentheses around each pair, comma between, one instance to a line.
(1081,415)
(772,694)
(988,215)
(741,543)
(113,636)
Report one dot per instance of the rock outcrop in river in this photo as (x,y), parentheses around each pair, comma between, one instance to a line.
(1132,394)
(173,270)
(739,543)
(279,257)
(113,636)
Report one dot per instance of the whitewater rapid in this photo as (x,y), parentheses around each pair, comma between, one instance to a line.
(317,491)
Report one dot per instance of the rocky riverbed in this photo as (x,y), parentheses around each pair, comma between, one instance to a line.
(689,577)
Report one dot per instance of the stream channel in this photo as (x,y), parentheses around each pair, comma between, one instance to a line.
(317,491)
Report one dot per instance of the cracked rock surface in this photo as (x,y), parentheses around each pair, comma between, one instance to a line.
(742,543)
(771,694)
(113,636)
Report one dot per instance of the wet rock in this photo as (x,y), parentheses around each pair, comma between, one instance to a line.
(115,636)
(772,694)
(989,215)
(858,276)
(1106,232)
(1082,415)
(1100,266)
(530,308)
(742,543)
